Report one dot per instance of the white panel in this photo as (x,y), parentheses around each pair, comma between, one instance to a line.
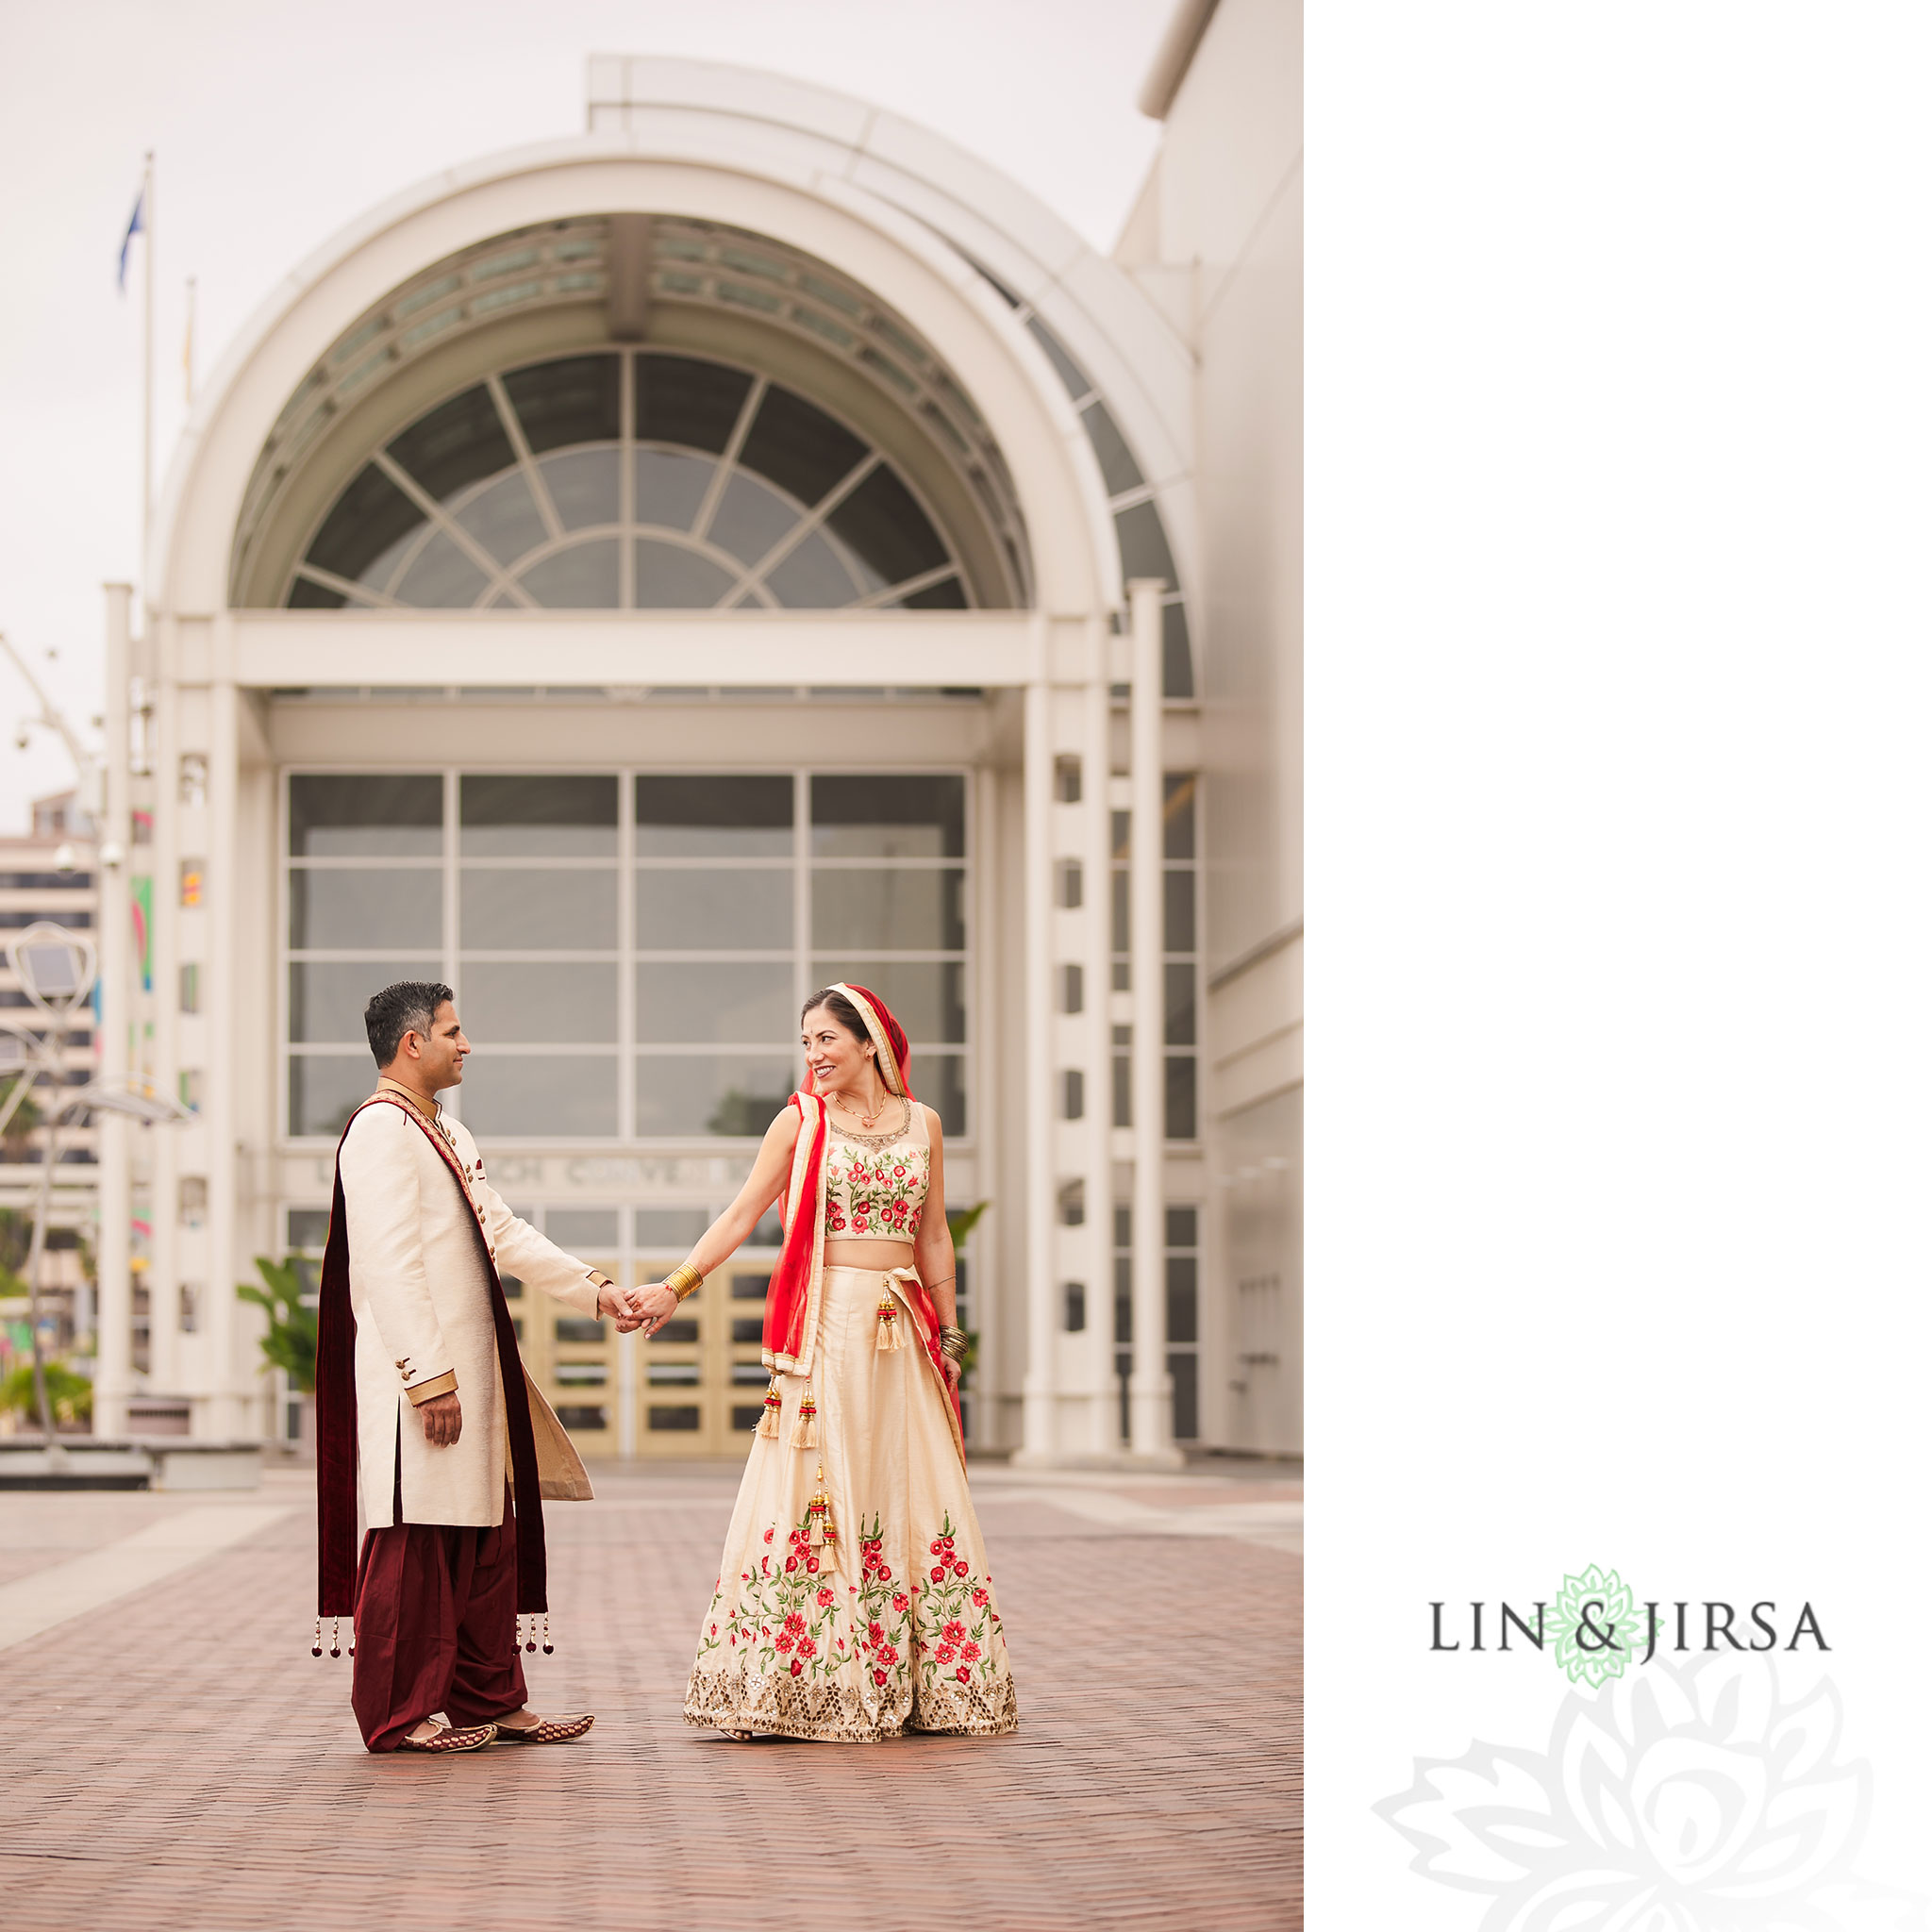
(736,93)
(627,648)
(969,182)
(1139,363)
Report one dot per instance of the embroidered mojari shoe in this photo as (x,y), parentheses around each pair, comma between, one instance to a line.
(549,1730)
(449,1738)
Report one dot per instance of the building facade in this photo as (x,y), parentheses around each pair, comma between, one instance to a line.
(49,875)
(637,581)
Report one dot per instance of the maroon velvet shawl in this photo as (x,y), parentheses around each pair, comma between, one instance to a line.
(335,1405)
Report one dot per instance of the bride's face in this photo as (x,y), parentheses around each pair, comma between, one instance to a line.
(835,1058)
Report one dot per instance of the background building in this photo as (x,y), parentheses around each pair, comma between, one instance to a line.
(639,579)
(49,874)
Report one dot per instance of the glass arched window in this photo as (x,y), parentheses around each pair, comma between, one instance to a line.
(627,480)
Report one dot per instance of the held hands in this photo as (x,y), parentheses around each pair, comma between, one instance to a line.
(950,1369)
(656,1305)
(621,1304)
(647,1307)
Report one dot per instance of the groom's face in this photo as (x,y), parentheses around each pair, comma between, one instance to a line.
(442,1054)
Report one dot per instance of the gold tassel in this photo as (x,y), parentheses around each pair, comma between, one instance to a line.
(825,1532)
(805,1431)
(767,1423)
(889,1338)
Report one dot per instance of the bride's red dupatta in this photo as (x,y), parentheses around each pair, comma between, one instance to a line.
(792,1299)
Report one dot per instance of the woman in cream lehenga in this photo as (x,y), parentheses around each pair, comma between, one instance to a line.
(854,1601)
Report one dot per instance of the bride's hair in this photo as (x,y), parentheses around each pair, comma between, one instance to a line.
(841,1009)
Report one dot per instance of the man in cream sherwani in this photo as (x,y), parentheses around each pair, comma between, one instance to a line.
(435,1588)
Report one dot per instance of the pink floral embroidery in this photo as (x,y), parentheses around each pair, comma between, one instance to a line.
(945,1631)
(957,1627)
(868,1195)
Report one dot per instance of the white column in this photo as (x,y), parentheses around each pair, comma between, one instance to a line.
(989,1108)
(1040,1392)
(1097,863)
(166,1345)
(114,1360)
(1149,1395)
(228,1386)
(627,1388)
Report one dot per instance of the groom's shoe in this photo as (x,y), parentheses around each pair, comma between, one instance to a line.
(546,1730)
(447,1737)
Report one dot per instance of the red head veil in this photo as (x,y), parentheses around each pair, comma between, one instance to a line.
(887,1036)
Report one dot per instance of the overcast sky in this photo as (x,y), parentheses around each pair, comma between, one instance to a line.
(275,124)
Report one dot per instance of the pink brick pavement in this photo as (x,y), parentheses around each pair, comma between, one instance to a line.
(178,1758)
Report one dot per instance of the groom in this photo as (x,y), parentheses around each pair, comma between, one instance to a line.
(419,1380)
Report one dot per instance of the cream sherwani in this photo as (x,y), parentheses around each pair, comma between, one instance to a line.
(424,1325)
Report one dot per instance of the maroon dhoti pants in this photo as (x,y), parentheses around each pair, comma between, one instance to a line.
(435,1627)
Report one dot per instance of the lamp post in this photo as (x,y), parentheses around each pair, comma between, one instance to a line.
(88,765)
(54,968)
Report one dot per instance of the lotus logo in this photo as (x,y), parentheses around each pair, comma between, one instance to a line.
(1688,1798)
(1596,1630)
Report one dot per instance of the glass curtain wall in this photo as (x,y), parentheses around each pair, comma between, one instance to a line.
(1182,963)
(1181,1239)
(628,951)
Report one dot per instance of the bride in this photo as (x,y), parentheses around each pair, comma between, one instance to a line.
(854,1601)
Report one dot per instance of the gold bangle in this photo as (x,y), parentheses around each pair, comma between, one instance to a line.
(683,1280)
(952,1344)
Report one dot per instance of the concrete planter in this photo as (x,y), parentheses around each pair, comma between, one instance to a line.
(87,1463)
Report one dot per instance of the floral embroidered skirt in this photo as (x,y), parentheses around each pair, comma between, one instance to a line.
(854,1601)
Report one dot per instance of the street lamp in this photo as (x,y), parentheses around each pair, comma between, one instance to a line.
(54,968)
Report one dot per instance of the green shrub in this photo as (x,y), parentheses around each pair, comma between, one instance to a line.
(289,1342)
(69,1394)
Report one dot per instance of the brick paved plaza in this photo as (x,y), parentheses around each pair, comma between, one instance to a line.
(175,1757)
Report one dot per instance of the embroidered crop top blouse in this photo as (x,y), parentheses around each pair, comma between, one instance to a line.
(875,1183)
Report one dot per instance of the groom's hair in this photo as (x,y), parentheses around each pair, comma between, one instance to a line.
(408,1006)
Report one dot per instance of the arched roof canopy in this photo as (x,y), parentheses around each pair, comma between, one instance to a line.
(486,434)
(1082,386)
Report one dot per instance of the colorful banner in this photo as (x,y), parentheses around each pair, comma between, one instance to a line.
(142,897)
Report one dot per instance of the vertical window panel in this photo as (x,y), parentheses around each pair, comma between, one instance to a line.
(683,1026)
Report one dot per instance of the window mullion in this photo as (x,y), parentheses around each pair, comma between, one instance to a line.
(533,476)
(908,587)
(814,518)
(626,940)
(627,482)
(452,902)
(356,593)
(727,462)
(802,985)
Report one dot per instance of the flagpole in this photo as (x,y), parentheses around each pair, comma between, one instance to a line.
(147,380)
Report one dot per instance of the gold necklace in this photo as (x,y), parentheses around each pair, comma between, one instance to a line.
(866,1121)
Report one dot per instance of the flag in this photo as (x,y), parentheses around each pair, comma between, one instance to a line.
(136,225)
